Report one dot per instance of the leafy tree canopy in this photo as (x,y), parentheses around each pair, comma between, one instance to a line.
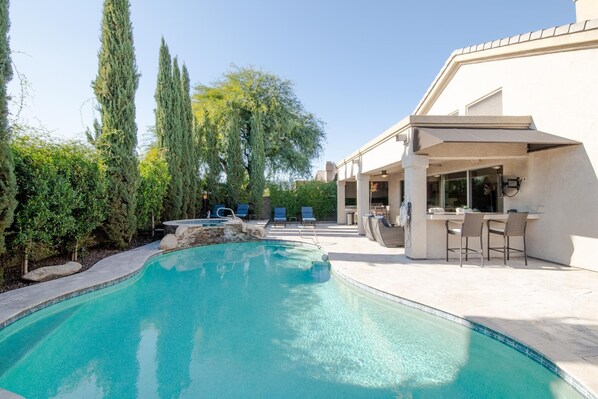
(292,137)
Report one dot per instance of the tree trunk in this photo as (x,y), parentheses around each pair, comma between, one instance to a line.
(25,263)
(153,224)
(74,254)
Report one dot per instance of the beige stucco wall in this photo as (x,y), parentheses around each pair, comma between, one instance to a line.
(560,92)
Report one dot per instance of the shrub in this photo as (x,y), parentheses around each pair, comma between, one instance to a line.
(319,195)
(61,195)
(153,169)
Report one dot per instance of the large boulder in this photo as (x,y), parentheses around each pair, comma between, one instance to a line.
(181,231)
(169,242)
(50,272)
(256,231)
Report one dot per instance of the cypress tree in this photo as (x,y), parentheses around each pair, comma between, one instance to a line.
(163,94)
(179,126)
(167,133)
(210,155)
(197,164)
(8,184)
(177,139)
(235,168)
(191,159)
(257,162)
(115,87)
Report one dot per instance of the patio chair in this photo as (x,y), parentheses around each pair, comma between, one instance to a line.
(307,216)
(368,221)
(214,213)
(242,211)
(280,217)
(387,235)
(471,227)
(514,226)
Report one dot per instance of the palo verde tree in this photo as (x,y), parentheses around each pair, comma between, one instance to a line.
(116,136)
(290,136)
(257,163)
(8,184)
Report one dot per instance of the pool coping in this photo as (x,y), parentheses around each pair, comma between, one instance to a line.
(17,304)
(503,338)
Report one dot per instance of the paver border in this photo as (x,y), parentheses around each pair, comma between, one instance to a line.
(19,303)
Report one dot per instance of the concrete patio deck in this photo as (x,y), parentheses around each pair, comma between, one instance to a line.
(548,307)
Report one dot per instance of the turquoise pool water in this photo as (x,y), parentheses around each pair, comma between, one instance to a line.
(254,320)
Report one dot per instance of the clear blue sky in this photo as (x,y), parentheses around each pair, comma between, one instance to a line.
(360,66)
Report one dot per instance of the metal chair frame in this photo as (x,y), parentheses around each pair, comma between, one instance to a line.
(307,216)
(280,217)
(514,226)
(471,227)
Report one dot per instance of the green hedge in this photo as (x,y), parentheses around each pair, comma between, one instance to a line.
(61,195)
(153,169)
(319,195)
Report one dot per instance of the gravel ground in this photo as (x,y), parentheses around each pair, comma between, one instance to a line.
(12,276)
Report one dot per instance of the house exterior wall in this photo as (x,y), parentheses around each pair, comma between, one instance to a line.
(559,91)
(586,9)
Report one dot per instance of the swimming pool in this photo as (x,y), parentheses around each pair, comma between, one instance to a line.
(254,320)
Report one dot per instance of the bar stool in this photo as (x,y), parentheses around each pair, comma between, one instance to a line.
(514,226)
(471,227)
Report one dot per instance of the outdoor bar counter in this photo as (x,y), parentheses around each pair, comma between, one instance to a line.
(436,235)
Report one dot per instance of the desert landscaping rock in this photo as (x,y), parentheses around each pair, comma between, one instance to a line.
(50,272)
(231,231)
(256,231)
(169,242)
(180,231)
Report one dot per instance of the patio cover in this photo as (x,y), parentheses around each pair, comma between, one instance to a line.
(426,137)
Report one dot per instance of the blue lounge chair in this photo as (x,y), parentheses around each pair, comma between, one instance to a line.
(214,213)
(280,216)
(242,211)
(307,216)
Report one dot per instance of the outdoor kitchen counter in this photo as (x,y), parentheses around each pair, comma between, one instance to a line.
(436,234)
(487,216)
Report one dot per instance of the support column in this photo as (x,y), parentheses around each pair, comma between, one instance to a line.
(341,217)
(394,197)
(415,193)
(363,200)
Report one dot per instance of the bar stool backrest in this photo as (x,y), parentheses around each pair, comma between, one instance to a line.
(516,222)
(472,224)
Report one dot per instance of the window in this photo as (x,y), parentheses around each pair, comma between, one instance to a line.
(477,189)
(433,191)
(484,190)
(455,190)
(379,193)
